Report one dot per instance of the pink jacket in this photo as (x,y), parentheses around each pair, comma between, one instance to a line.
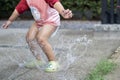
(43,13)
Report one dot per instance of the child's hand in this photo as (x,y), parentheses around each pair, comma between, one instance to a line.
(6,24)
(67,14)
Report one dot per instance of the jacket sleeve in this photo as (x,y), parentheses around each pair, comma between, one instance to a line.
(22,6)
(51,2)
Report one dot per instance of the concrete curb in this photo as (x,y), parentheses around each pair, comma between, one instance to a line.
(107,27)
(75,25)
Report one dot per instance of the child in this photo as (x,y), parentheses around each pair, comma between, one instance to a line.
(47,19)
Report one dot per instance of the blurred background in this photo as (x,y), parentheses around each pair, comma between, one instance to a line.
(82,9)
(106,11)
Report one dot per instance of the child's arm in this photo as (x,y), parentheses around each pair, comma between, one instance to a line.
(20,8)
(14,15)
(64,13)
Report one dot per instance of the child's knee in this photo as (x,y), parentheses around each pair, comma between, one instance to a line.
(42,41)
(29,39)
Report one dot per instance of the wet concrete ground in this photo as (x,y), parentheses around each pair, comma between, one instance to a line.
(78,51)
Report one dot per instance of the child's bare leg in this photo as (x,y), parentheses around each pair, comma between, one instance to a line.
(30,38)
(42,37)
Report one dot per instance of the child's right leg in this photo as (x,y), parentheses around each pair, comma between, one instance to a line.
(31,40)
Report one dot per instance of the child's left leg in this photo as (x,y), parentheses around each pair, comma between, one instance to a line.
(42,38)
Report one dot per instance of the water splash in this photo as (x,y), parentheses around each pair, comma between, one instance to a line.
(67,55)
(67,58)
(64,53)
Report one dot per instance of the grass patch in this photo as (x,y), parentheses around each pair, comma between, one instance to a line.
(101,69)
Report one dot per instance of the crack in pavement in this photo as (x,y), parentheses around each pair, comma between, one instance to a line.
(13,46)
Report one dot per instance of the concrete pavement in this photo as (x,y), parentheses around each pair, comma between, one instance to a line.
(78,51)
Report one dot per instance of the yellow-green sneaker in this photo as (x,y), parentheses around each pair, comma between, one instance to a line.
(52,66)
(33,64)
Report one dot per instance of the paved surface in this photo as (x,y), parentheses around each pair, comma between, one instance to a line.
(78,51)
